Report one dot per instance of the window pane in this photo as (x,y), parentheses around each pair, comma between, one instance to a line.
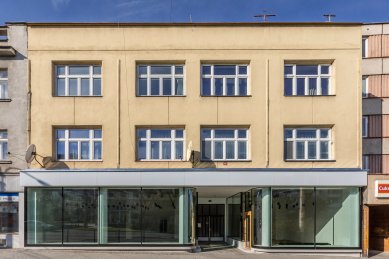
(242,70)
(73,86)
(142,70)
(166,150)
(218,86)
(179,133)
(179,86)
(206,70)
(60,87)
(288,149)
(97,70)
(161,133)
(288,133)
(179,150)
(84,150)
(167,86)
(224,70)
(223,133)
(78,70)
(96,86)
(300,150)
(154,86)
(288,70)
(60,134)
(97,133)
(206,150)
(324,86)
(242,150)
(230,86)
(60,71)
(312,86)
(288,86)
(141,133)
(97,150)
(141,150)
(78,133)
(324,133)
(205,133)
(324,150)
(230,149)
(85,86)
(306,133)
(242,86)
(364,87)
(142,84)
(5,150)
(179,70)
(73,150)
(306,69)
(154,150)
(242,133)
(218,150)
(325,70)
(3,89)
(206,86)
(161,70)
(300,86)
(311,150)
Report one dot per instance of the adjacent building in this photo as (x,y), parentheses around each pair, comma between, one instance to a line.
(174,133)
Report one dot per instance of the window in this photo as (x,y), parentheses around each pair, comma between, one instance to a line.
(3,145)
(307,79)
(9,212)
(3,84)
(78,80)
(78,144)
(365,87)
(224,80)
(160,80)
(365,47)
(365,126)
(224,144)
(365,162)
(307,144)
(160,144)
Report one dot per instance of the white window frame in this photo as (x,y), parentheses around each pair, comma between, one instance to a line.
(317,139)
(318,77)
(365,91)
(67,76)
(4,88)
(2,142)
(365,47)
(236,77)
(235,139)
(91,139)
(365,162)
(365,126)
(160,77)
(173,139)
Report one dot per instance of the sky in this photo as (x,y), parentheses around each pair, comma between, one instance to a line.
(195,10)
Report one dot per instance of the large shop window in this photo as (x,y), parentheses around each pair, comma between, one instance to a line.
(9,212)
(234,216)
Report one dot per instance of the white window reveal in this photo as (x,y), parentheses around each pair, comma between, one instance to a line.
(3,145)
(365,45)
(78,80)
(307,143)
(160,80)
(224,144)
(3,83)
(160,144)
(78,144)
(307,79)
(224,80)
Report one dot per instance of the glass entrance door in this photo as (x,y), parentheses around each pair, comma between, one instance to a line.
(210,222)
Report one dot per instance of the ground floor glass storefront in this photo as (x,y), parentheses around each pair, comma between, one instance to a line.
(61,216)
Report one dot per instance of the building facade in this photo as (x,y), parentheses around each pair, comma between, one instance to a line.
(13,129)
(169,134)
(375,72)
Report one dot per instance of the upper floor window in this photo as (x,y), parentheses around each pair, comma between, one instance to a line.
(307,143)
(160,144)
(307,79)
(3,83)
(365,47)
(78,80)
(3,145)
(365,87)
(224,80)
(160,80)
(365,126)
(365,162)
(78,144)
(224,144)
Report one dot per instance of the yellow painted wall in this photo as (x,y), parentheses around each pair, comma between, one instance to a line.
(264,48)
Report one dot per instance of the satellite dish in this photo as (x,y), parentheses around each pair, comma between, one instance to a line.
(30,153)
(189,151)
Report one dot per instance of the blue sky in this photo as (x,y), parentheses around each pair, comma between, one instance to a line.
(199,10)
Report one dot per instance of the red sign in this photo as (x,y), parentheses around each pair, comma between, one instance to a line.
(383,188)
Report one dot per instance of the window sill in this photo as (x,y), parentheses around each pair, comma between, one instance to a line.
(329,95)
(310,160)
(234,96)
(5,162)
(5,100)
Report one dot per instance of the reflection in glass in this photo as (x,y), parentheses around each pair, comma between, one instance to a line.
(234,217)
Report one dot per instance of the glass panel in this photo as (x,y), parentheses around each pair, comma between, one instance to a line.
(60,87)
(224,133)
(325,69)
(242,133)
(179,133)
(154,86)
(60,134)
(206,150)
(142,84)
(124,216)
(44,216)
(300,150)
(3,89)
(158,133)
(60,150)
(73,150)
(224,70)
(154,150)
(300,86)
(206,70)
(84,150)
(324,133)
(160,215)
(97,86)
(293,214)
(97,70)
(206,86)
(141,133)
(288,86)
(324,150)
(364,87)
(84,86)
(141,150)
(78,70)
(325,86)
(78,133)
(242,70)
(288,149)
(73,86)
(230,86)
(161,70)
(288,70)
(80,215)
(218,86)
(205,133)
(179,150)
(60,71)
(167,86)
(230,150)
(9,215)
(218,150)
(306,133)
(312,150)
(5,150)
(364,54)
(179,70)
(306,69)
(242,86)
(288,133)
(312,86)
(97,150)
(142,70)
(179,86)
(242,150)
(166,150)
(234,216)
(97,133)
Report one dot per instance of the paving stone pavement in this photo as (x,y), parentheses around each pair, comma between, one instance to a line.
(86,254)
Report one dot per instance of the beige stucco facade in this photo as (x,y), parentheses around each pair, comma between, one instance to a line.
(265,47)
